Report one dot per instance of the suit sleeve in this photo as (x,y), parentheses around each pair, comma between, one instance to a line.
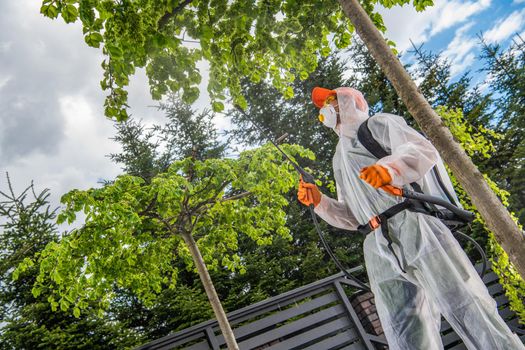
(336,213)
(412,155)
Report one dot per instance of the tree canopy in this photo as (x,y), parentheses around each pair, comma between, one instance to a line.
(262,40)
(132,231)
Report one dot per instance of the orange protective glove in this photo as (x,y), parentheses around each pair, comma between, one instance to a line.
(393,190)
(376,175)
(308,193)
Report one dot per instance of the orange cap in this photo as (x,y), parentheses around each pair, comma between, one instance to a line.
(319,96)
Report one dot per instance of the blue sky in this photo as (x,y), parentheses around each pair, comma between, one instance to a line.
(52,128)
(452,28)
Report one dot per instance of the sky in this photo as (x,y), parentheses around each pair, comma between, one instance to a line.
(52,127)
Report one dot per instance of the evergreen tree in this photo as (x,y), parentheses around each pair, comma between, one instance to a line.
(27,322)
(506,71)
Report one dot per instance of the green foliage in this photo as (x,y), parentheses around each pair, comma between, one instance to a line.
(296,117)
(26,227)
(508,277)
(260,40)
(477,143)
(506,76)
(269,269)
(27,320)
(131,235)
(149,151)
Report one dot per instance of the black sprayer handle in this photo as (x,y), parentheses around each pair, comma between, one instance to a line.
(461,213)
(307,177)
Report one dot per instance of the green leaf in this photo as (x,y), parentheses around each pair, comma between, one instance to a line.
(325,51)
(36,291)
(50,11)
(114,51)
(303,75)
(218,106)
(206,32)
(64,305)
(94,39)
(69,13)
(76,312)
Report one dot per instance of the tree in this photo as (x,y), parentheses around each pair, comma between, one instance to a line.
(28,225)
(134,230)
(506,76)
(186,133)
(269,269)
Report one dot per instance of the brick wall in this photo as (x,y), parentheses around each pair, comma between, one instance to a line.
(365,307)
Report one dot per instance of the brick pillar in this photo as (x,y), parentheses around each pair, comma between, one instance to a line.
(365,307)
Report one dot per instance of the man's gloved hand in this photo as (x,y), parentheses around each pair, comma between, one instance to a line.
(308,193)
(376,175)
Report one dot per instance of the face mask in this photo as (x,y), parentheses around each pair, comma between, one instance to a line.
(328,116)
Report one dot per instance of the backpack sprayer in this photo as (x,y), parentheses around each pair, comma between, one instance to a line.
(413,201)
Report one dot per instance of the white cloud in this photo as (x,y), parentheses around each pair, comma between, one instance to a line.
(52,127)
(505,27)
(5,46)
(405,23)
(516,2)
(454,12)
(4,81)
(459,50)
(80,160)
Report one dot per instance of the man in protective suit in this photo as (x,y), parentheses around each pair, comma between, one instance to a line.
(425,273)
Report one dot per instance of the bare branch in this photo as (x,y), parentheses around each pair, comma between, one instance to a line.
(237,196)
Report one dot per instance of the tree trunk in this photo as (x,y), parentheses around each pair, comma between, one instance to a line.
(496,216)
(212,294)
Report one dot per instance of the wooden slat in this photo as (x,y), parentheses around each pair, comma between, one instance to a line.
(502,300)
(450,338)
(199,346)
(355,346)
(337,341)
(460,346)
(507,313)
(490,277)
(282,316)
(445,326)
(163,344)
(313,334)
(292,327)
(269,305)
(495,289)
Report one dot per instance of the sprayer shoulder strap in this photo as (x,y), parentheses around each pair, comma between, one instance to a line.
(364,135)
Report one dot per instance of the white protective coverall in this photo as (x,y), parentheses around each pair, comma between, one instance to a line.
(439,278)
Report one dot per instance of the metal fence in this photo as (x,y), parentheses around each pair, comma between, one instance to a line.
(317,316)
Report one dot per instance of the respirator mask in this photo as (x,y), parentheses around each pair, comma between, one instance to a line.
(328,116)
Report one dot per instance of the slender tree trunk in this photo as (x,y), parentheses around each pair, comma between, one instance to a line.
(496,216)
(212,294)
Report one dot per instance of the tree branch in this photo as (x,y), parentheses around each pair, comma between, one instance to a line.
(167,16)
(237,196)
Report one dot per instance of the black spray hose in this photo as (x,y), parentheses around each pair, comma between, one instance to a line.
(465,215)
(478,248)
(360,284)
